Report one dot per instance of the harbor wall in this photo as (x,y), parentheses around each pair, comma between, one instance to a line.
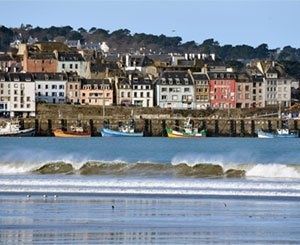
(234,123)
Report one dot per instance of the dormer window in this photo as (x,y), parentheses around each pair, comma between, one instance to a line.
(186,81)
(170,80)
(177,80)
(163,81)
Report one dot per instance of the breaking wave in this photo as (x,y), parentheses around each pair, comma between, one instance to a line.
(177,168)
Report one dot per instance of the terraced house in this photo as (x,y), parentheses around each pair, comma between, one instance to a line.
(17,94)
(201,83)
(222,89)
(142,91)
(175,89)
(96,92)
(50,87)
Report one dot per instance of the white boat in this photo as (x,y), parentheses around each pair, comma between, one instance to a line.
(280,133)
(13,129)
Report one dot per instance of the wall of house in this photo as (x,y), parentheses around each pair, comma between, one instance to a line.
(51,91)
(222,93)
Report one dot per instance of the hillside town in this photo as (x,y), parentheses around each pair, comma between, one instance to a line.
(72,73)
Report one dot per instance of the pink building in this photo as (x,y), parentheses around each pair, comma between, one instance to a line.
(222,87)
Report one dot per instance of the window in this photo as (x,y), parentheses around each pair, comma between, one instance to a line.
(128,94)
(83,94)
(15,105)
(54,94)
(54,87)
(46,93)
(163,97)
(163,89)
(39,86)
(71,66)
(186,89)
(16,85)
(135,94)
(174,97)
(15,98)
(15,92)
(63,66)
(135,87)
(148,94)
(39,93)
(61,94)
(71,86)
(122,94)
(76,66)
(46,86)
(61,86)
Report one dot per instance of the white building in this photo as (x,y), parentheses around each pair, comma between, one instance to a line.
(123,91)
(50,87)
(142,92)
(17,94)
(175,89)
(73,62)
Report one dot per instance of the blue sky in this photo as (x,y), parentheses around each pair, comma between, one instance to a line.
(230,22)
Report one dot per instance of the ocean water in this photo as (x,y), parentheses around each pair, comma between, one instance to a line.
(150,190)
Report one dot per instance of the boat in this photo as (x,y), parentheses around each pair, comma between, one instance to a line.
(187,131)
(279,133)
(126,130)
(13,129)
(75,132)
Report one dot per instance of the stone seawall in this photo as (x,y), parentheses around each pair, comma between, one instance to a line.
(154,120)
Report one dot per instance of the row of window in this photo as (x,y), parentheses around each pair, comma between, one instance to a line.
(176,97)
(53,94)
(39,86)
(96,94)
(175,90)
(63,66)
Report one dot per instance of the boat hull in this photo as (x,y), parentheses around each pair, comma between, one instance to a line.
(106,132)
(266,135)
(177,134)
(70,134)
(22,133)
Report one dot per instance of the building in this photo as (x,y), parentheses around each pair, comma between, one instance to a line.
(39,62)
(96,92)
(258,91)
(73,62)
(175,89)
(270,83)
(222,89)
(123,91)
(17,94)
(142,91)
(6,62)
(73,89)
(50,87)
(201,83)
(244,97)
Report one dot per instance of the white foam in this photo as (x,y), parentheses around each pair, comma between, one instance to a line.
(273,171)
(150,186)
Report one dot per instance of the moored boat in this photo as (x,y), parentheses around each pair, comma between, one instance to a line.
(106,132)
(126,130)
(75,132)
(280,133)
(187,131)
(13,130)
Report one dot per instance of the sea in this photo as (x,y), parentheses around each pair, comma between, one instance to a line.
(149,191)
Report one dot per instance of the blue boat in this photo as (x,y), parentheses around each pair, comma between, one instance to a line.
(280,133)
(124,131)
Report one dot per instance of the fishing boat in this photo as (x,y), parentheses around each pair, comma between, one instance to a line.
(74,132)
(187,131)
(13,129)
(279,133)
(126,130)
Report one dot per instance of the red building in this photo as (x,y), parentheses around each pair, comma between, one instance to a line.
(40,62)
(222,87)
